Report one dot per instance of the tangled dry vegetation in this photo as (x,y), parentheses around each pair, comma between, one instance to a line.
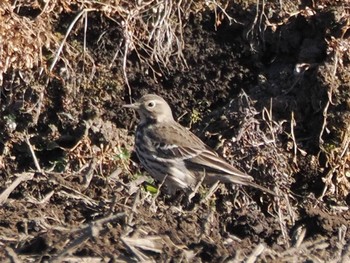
(265,84)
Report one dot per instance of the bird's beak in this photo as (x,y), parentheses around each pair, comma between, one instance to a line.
(134,106)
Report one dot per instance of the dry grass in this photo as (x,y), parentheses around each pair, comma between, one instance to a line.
(90,201)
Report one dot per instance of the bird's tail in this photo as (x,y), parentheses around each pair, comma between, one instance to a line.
(246,181)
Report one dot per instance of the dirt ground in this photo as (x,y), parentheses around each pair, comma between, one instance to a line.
(264,83)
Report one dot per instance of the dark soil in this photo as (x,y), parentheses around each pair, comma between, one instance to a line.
(265,85)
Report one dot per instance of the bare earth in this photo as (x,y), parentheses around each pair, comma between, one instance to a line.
(264,83)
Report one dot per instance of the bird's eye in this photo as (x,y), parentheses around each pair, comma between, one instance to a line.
(151,104)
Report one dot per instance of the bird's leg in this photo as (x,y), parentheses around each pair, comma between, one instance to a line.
(195,190)
(211,191)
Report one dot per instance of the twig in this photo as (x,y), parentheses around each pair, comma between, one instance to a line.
(282,223)
(66,36)
(20,178)
(259,249)
(345,257)
(87,231)
(324,122)
(295,146)
(89,174)
(37,165)
(12,255)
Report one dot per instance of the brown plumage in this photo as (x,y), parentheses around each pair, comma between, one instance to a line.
(169,151)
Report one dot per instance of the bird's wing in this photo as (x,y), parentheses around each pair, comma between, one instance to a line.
(176,142)
(210,162)
(173,141)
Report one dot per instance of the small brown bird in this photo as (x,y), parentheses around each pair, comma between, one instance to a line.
(171,153)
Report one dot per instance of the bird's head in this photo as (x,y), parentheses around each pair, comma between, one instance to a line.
(152,107)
